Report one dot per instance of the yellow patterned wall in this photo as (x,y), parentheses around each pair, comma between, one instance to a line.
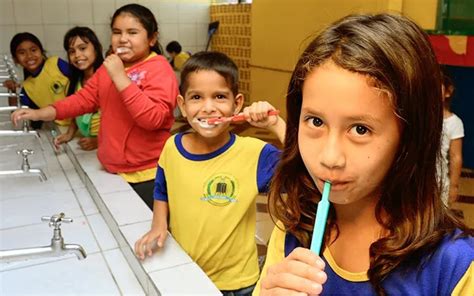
(234,38)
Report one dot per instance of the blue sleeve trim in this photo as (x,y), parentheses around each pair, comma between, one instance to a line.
(26,101)
(160,191)
(64,67)
(267,163)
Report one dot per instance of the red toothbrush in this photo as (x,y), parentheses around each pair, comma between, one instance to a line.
(236,118)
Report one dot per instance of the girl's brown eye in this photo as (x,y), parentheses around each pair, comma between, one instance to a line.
(361,130)
(317,121)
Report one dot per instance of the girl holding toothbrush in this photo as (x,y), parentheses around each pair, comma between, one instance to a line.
(364,114)
(136,91)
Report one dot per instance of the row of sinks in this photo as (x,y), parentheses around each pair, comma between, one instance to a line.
(108,218)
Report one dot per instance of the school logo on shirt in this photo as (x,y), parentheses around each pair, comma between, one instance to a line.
(137,76)
(220,190)
(57,87)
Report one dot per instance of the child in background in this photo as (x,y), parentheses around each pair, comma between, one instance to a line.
(178,57)
(136,91)
(451,146)
(84,52)
(46,80)
(213,216)
(364,113)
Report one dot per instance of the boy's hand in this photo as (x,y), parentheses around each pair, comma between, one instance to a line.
(10,85)
(88,143)
(145,245)
(301,273)
(257,114)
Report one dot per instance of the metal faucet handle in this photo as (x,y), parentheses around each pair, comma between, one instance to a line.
(25,152)
(56,220)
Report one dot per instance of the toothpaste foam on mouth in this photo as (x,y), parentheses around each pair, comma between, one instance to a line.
(203,123)
(120,50)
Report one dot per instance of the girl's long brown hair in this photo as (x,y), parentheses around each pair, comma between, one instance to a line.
(396,54)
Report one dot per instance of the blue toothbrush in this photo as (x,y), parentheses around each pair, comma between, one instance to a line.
(321,218)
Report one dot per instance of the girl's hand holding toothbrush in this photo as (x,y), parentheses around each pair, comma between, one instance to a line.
(301,273)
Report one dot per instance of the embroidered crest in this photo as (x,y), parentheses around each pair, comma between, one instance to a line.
(220,190)
(57,87)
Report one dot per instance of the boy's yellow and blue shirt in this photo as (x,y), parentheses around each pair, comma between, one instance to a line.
(212,204)
(449,270)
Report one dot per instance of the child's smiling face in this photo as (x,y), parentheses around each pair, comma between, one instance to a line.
(81,54)
(348,133)
(28,54)
(130,39)
(208,95)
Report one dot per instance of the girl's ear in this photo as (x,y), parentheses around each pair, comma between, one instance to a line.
(153,39)
(239,102)
(180,100)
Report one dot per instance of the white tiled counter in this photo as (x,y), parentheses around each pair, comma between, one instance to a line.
(108,218)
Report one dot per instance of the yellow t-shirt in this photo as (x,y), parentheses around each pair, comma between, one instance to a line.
(179,60)
(212,206)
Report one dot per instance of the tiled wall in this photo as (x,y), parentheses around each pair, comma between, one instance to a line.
(183,20)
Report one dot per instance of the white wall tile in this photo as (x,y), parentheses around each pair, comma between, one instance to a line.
(7,33)
(167,33)
(103,33)
(201,34)
(187,13)
(187,34)
(6,12)
(202,12)
(53,40)
(167,12)
(182,20)
(27,12)
(36,30)
(120,3)
(103,11)
(80,12)
(54,11)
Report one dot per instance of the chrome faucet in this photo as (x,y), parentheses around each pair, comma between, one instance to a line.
(26,170)
(56,249)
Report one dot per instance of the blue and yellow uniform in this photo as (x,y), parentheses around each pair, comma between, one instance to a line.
(212,204)
(48,85)
(449,270)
